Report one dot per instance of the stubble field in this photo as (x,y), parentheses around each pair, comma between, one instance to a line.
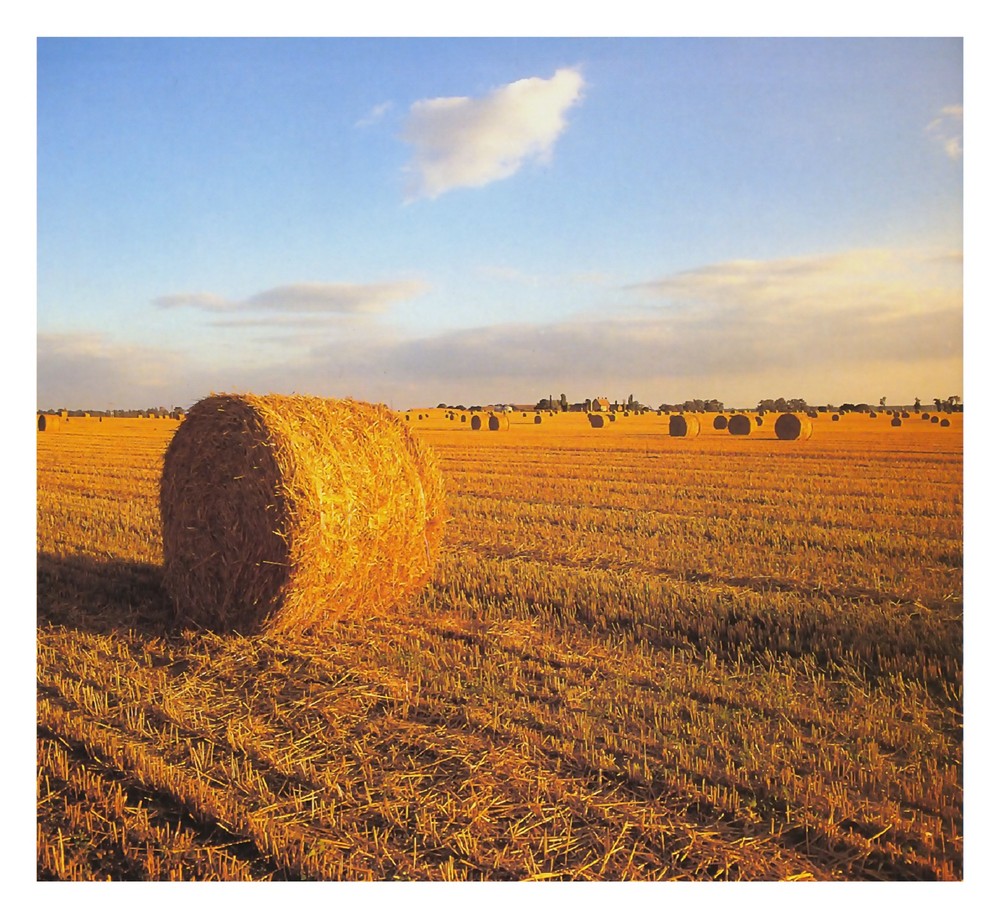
(640,657)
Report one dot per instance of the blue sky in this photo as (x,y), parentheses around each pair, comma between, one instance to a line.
(469,220)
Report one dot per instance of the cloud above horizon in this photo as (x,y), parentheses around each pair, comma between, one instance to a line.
(464,142)
(343,298)
(825,327)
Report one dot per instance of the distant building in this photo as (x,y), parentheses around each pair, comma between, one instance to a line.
(602,404)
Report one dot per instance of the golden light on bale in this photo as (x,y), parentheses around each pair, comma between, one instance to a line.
(596,420)
(792,427)
(282,513)
(476,423)
(684,425)
(720,422)
(739,425)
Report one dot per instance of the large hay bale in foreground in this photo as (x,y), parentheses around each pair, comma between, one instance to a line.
(282,513)
(476,423)
(792,427)
(41,422)
(739,425)
(682,425)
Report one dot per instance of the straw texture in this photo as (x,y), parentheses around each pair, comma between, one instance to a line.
(281,513)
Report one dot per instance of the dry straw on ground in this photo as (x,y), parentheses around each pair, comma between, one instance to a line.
(792,427)
(684,425)
(281,513)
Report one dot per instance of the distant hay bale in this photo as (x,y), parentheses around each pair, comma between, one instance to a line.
(462,421)
(835,417)
(872,414)
(905,414)
(812,413)
(611,416)
(477,422)
(282,513)
(760,420)
(499,422)
(720,422)
(42,423)
(945,422)
(739,425)
(538,419)
(896,422)
(407,417)
(792,427)
(684,425)
(596,420)
(934,419)
(925,416)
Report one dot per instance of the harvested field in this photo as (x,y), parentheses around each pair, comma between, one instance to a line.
(638,657)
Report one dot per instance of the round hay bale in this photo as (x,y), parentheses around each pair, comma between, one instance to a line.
(905,414)
(477,422)
(925,417)
(611,416)
(41,423)
(739,425)
(896,422)
(282,513)
(538,419)
(407,417)
(812,413)
(596,420)
(872,414)
(499,422)
(792,427)
(720,422)
(463,419)
(934,419)
(835,417)
(760,420)
(945,422)
(684,425)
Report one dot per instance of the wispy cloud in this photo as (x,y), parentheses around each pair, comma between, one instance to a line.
(344,298)
(946,130)
(376,114)
(843,327)
(463,142)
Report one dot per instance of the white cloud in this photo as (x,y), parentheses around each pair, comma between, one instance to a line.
(946,130)
(343,298)
(462,142)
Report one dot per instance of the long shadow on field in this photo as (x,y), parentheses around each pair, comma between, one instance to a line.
(102,596)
